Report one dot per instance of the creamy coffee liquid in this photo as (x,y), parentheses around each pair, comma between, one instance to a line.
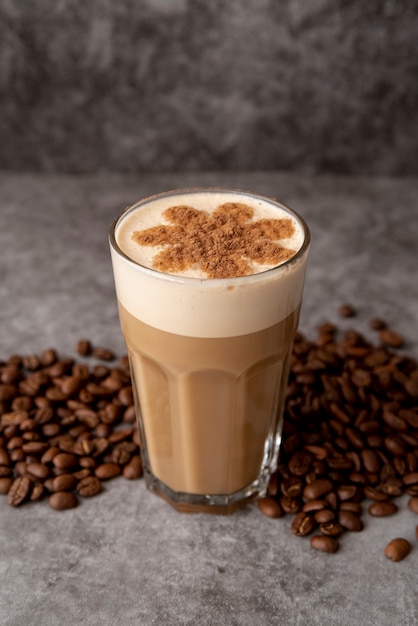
(209,406)
(209,286)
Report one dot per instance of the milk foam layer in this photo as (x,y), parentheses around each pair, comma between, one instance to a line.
(152,214)
(202,307)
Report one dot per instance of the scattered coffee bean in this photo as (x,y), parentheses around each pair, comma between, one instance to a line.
(5,484)
(64,482)
(84,347)
(103,354)
(38,490)
(89,486)
(377,324)
(350,430)
(107,470)
(302,524)
(19,491)
(382,509)
(133,469)
(324,516)
(268,506)
(413,504)
(62,500)
(324,544)
(350,521)
(317,488)
(390,338)
(57,425)
(346,310)
(397,549)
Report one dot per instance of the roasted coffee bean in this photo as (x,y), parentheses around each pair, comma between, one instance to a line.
(315,505)
(49,455)
(64,482)
(354,507)
(19,491)
(87,462)
(107,471)
(390,338)
(64,461)
(377,324)
(89,486)
(397,549)
(317,489)
(38,491)
(133,469)
(302,524)
(382,509)
(370,460)
(350,521)
(410,479)
(48,357)
(392,486)
(268,506)
(63,500)
(292,487)
(38,470)
(347,492)
(332,500)
(324,516)
(120,456)
(51,430)
(5,484)
(324,544)
(331,529)
(413,504)
(346,310)
(84,347)
(4,457)
(83,473)
(291,506)
(103,354)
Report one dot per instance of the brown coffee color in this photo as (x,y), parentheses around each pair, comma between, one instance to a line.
(223,385)
(350,431)
(219,243)
(58,421)
(324,544)
(63,500)
(331,419)
(398,549)
(270,507)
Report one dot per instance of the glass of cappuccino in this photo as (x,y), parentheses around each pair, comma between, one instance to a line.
(209,285)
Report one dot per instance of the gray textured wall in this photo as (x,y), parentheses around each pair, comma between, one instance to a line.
(160,85)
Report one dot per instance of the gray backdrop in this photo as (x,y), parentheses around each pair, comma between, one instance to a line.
(164,85)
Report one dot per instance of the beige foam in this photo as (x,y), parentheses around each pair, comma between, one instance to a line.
(196,306)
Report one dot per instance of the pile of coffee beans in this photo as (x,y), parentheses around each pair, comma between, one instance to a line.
(65,426)
(350,439)
(350,436)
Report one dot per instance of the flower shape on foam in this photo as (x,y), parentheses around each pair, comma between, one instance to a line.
(222,244)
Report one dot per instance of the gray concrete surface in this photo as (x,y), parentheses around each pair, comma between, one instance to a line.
(174,85)
(125,557)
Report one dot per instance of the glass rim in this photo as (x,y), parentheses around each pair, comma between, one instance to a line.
(195,280)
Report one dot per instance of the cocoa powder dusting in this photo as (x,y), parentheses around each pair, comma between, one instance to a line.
(222,243)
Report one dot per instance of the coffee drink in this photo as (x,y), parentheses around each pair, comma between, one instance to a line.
(209,286)
(208,405)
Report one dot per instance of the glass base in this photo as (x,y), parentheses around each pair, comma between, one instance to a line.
(203,503)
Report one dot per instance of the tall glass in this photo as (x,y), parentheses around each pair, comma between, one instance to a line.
(209,361)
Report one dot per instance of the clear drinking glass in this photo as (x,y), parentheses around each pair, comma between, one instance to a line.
(209,361)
